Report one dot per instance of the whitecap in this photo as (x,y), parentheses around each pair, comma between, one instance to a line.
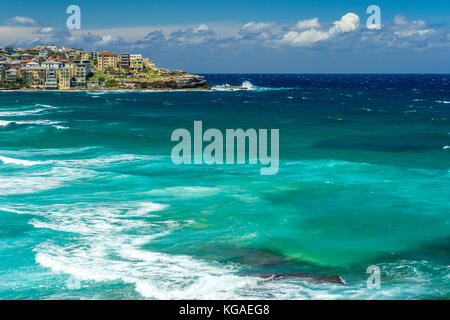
(4,123)
(19,113)
(27,163)
(24,183)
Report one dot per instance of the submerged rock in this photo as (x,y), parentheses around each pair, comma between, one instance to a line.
(307,276)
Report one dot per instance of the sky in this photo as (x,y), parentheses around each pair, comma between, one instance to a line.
(246,36)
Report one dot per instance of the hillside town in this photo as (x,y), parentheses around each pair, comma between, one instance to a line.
(48,67)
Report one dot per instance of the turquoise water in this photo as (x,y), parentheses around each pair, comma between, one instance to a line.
(92,207)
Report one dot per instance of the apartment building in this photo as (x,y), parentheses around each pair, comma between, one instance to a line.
(107,60)
(12,75)
(94,55)
(80,73)
(125,61)
(35,75)
(65,76)
(137,62)
(52,79)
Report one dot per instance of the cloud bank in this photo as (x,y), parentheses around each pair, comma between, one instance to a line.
(346,34)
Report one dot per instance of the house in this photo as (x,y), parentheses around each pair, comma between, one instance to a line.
(33,51)
(31,63)
(52,48)
(107,60)
(26,56)
(149,64)
(43,54)
(10,48)
(52,64)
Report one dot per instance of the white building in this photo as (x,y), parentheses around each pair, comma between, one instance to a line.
(51,64)
(31,64)
(51,81)
(43,54)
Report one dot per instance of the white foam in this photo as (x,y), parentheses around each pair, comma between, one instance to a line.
(107,247)
(23,183)
(248,85)
(79,163)
(4,123)
(147,207)
(27,163)
(45,106)
(442,101)
(19,113)
(185,191)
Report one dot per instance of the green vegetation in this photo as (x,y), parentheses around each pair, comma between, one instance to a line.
(111,84)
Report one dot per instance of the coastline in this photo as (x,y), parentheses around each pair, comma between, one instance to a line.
(207,89)
(107,90)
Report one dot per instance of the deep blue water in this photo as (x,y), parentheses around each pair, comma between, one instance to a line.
(92,207)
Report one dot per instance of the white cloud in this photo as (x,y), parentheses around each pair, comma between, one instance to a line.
(191,36)
(307,24)
(107,40)
(202,27)
(308,37)
(401,20)
(256,27)
(345,34)
(404,28)
(347,23)
(263,31)
(46,30)
(21,20)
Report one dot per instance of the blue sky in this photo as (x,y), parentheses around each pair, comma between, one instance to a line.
(246,36)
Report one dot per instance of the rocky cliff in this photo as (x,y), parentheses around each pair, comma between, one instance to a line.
(172,82)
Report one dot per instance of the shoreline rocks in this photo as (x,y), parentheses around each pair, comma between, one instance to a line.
(306,276)
(177,82)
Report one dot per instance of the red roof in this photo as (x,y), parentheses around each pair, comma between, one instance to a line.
(108,53)
(28,60)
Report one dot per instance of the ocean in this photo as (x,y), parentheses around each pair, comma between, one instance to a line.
(92,206)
